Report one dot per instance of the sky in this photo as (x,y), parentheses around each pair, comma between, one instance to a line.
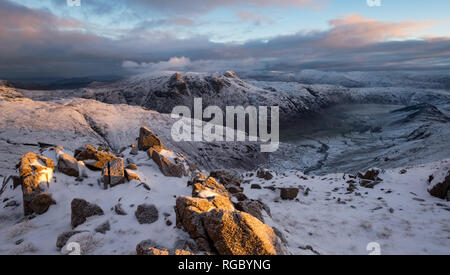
(51,38)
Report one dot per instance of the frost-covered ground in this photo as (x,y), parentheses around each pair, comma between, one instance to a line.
(398,213)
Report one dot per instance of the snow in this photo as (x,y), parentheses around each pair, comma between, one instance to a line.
(419,224)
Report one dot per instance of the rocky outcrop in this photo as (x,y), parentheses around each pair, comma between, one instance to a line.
(36,173)
(239,233)
(147,214)
(94,158)
(81,210)
(212,220)
(147,139)
(113,173)
(370,178)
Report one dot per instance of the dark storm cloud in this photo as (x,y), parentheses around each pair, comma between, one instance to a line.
(36,43)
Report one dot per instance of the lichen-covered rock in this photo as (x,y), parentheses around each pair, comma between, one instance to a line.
(113,173)
(94,158)
(81,210)
(189,213)
(206,187)
(239,233)
(147,214)
(36,172)
(130,175)
(147,139)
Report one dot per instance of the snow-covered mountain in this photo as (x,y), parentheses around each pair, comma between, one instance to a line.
(310,199)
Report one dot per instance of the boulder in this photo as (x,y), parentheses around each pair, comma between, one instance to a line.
(175,167)
(81,210)
(189,213)
(239,233)
(252,207)
(226,178)
(94,158)
(146,214)
(113,173)
(264,174)
(206,187)
(148,140)
(439,184)
(132,166)
(288,193)
(68,165)
(36,172)
(41,203)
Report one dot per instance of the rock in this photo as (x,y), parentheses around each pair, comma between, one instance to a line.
(206,187)
(371,175)
(132,166)
(264,174)
(12,203)
(288,193)
(119,210)
(130,175)
(189,213)
(251,207)
(148,247)
(240,196)
(36,172)
(439,184)
(134,150)
(113,173)
(146,214)
(178,167)
(81,210)
(68,165)
(87,243)
(255,186)
(64,237)
(103,228)
(148,140)
(226,178)
(41,203)
(93,158)
(239,233)
(235,189)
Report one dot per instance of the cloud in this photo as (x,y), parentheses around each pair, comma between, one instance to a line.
(256,19)
(201,6)
(355,30)
(174,63)
(36,43)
